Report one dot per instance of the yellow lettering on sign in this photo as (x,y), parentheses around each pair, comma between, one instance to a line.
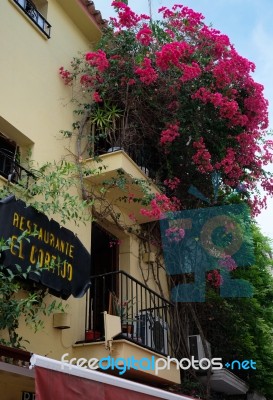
(40,235)
(21,250)
(71,249)
(46,237)
(35,228)
(32,257)
(12,245)
(22,224)
(41,255)
(38,255)
(16,248)
(29,225)
(70,272)
(62,246)
(15,221)
(52,240)
(47,259)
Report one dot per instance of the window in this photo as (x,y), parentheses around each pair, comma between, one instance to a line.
(36,10)
(10,167)
(9,153)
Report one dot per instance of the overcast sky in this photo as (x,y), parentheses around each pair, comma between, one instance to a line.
(248,23)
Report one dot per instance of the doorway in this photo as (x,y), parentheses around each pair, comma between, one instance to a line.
(104,264)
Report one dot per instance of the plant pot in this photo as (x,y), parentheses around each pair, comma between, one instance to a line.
(92,335)
(112,149)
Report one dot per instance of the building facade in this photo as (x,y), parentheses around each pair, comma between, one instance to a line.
(112,284)
(37,38)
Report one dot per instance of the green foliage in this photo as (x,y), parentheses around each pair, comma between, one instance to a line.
(50,192)
(19,299)
(192,388)
(242,328)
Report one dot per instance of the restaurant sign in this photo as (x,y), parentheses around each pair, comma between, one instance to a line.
(63,263)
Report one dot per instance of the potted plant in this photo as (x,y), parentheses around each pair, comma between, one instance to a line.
(91,334)
(105,127)
(124,309)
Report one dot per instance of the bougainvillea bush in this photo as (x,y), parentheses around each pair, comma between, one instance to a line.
(176,92)
(178,89)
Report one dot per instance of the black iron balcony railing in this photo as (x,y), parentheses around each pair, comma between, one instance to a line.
(145,315)
(143,155)
(31,11)
(13,171)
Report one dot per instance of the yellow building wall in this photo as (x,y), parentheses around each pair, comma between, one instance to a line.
(34,99)
(34,107)
(12,385)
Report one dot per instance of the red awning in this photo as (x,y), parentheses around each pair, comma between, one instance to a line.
(56,385)
(53,381)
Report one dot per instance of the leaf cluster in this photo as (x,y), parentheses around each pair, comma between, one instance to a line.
(21,300)
(242,328)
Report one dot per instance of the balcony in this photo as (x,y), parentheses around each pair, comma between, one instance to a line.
(145,315)
(128,168)
(224,381)
(146,319)
(13,171)
(34,15)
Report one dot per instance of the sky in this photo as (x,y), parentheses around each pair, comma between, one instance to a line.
(248,24)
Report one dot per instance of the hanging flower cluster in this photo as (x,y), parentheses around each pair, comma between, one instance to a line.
(144,35)
(98,60)
(160,205)
(182,88)
(175,234)
(215,278)
(202,157)
(126,17)
(169,134)
(65,75)
(226,263)
(172,183)
(146,72)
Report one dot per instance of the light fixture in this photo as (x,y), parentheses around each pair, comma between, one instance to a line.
(61,321)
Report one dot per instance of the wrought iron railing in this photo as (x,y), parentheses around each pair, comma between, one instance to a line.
(142,155)
(31,11)
(145,315)
(13,171)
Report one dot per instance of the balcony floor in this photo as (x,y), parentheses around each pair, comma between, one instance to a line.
(124,349)
(117,165)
